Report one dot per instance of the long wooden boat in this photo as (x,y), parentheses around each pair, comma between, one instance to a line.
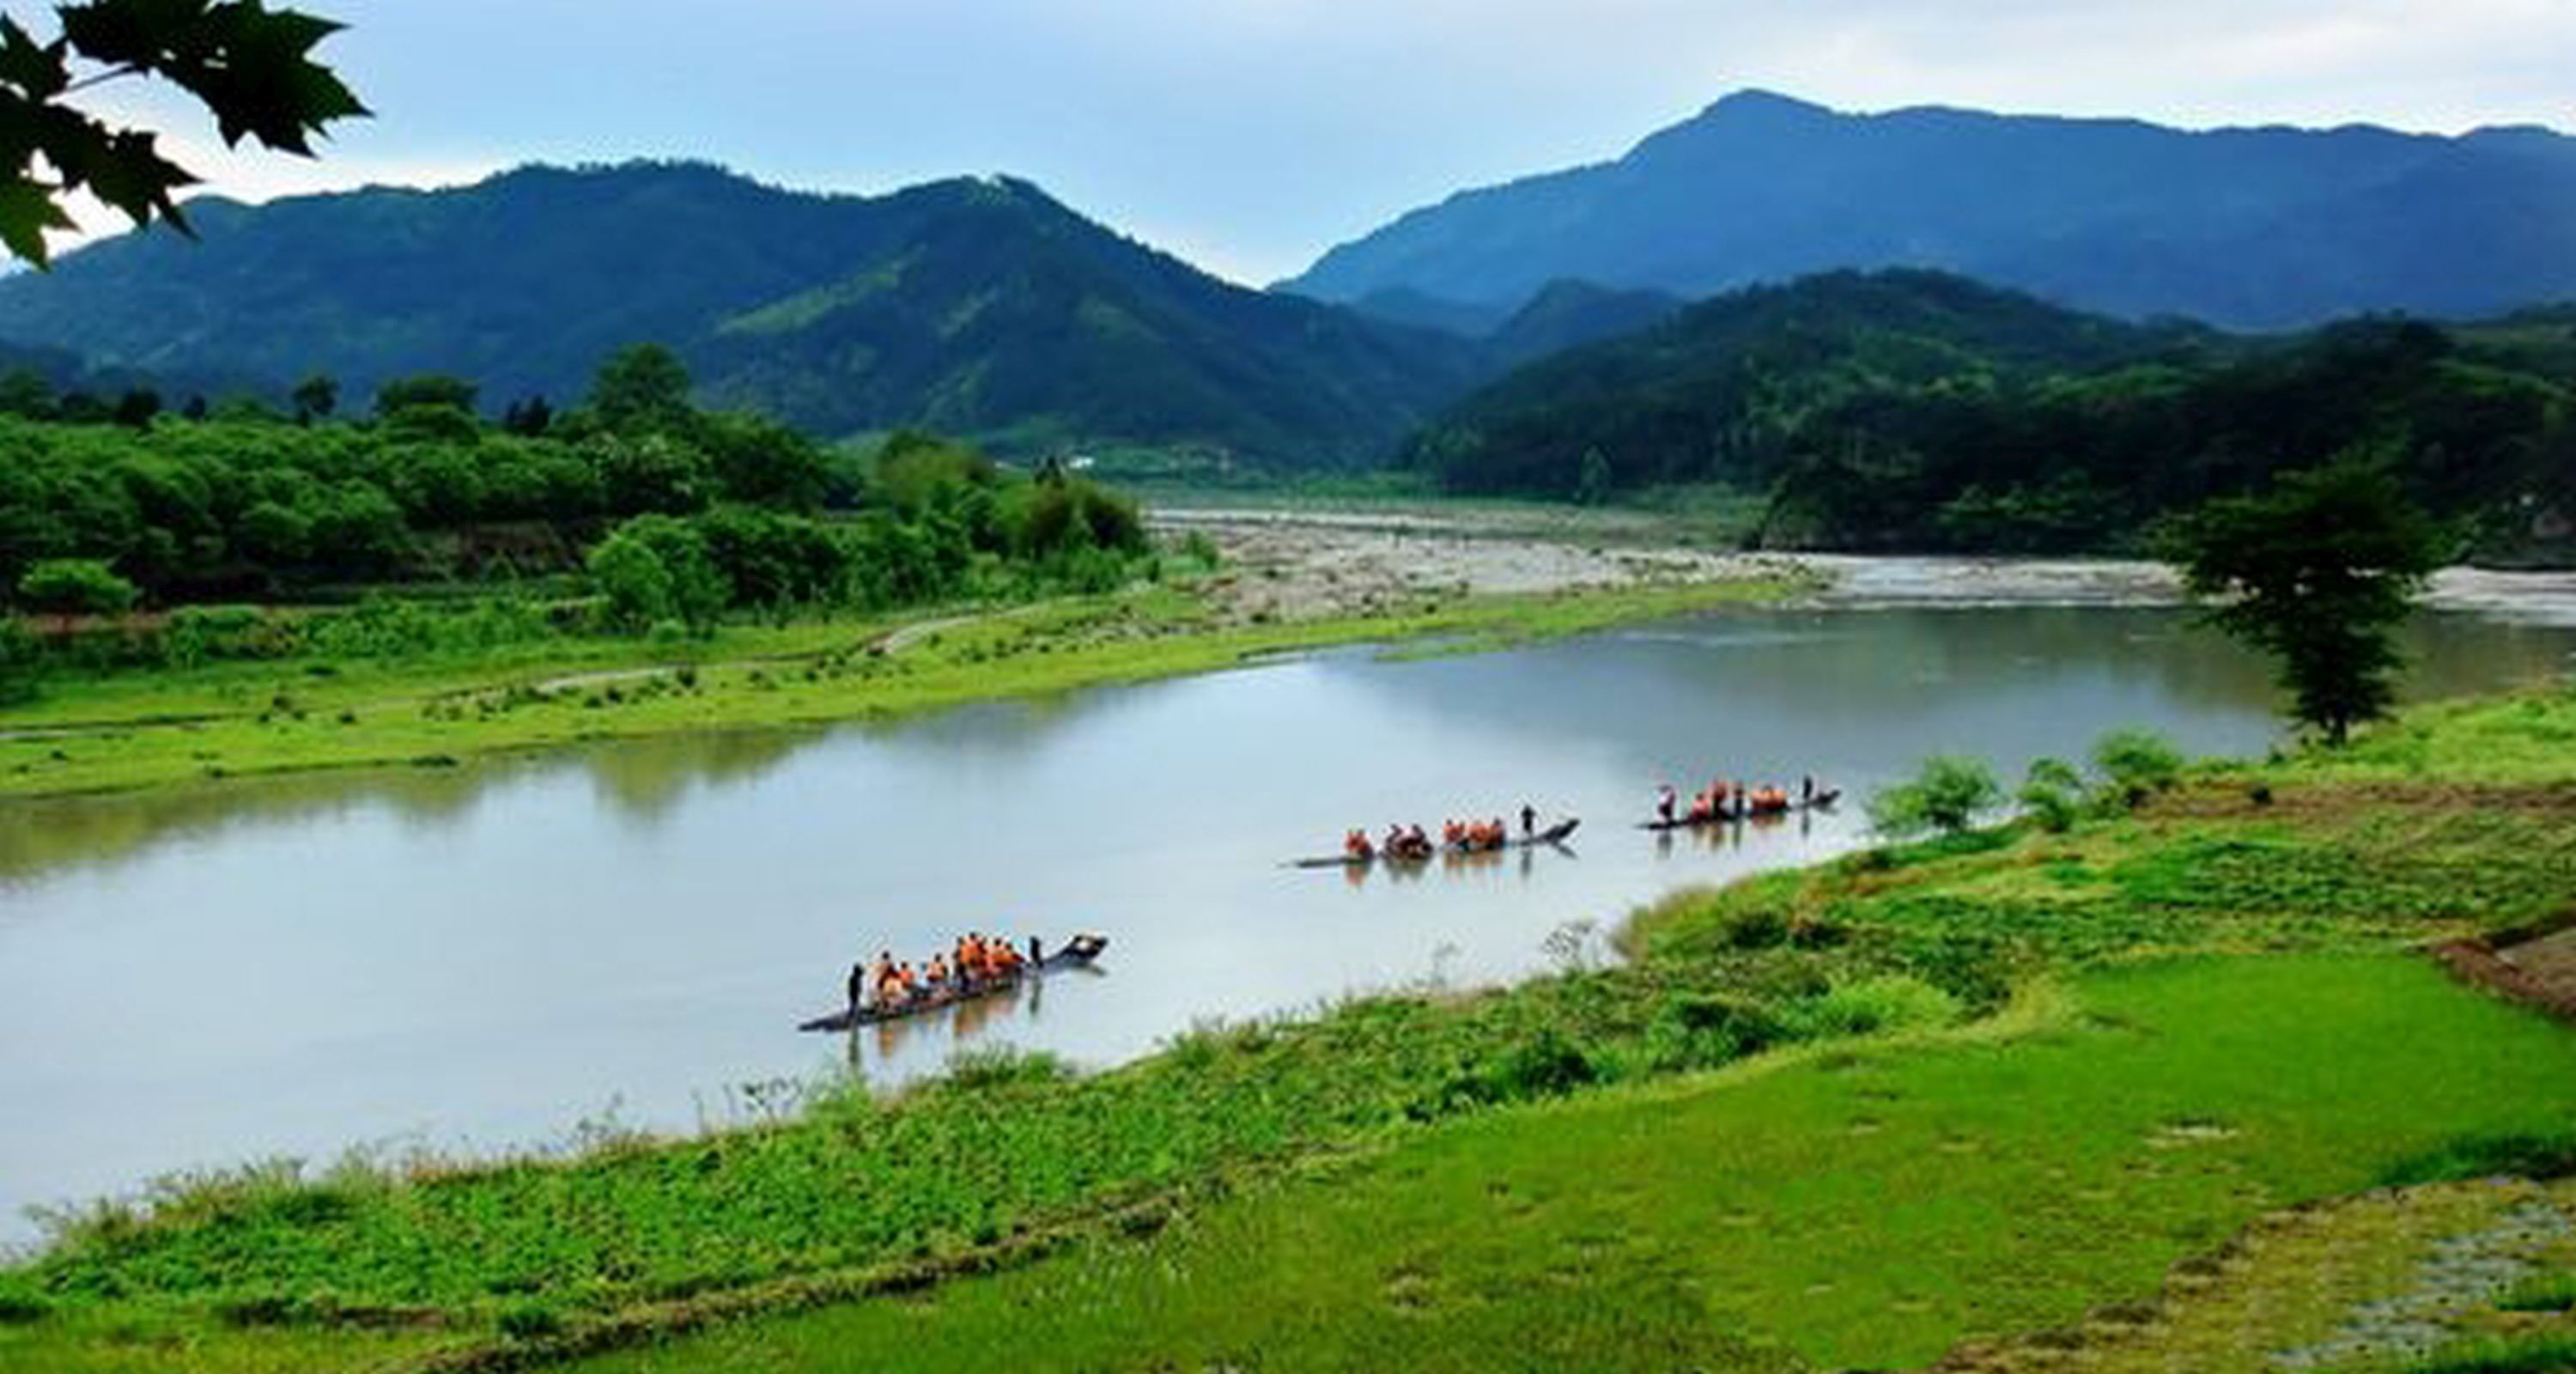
(1822,801)
(1556,834)
(1076,953)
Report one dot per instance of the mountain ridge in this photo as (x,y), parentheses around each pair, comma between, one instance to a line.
(525,280)
(2244,226)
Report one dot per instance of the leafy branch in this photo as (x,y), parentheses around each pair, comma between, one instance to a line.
(250,66)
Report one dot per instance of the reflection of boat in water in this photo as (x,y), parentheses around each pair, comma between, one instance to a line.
(1556,834)
(1077,953)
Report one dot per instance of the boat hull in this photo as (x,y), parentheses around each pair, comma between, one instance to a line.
(1070,957)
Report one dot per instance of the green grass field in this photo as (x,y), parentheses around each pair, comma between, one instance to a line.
(1862,1207)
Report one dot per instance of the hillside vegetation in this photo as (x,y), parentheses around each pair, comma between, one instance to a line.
(975,307)
(1914,410)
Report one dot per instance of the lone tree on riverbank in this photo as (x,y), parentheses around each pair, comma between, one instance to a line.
(2317,572)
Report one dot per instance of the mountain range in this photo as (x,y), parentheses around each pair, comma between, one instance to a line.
(2264,228)
(977,306)
(984,307)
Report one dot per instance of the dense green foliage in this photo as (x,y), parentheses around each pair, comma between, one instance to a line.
(2317,572)
(258,505)
(1946,794)
(2266,228)
(979,307)
(1909,410)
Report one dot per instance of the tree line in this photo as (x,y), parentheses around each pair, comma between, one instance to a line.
(1920,412)
(677,514)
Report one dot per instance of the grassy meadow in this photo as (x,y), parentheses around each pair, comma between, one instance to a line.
(147,728)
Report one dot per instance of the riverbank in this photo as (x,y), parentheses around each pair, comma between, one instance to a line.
(163,728)
(1925,1020)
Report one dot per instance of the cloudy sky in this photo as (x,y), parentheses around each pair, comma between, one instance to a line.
(1248,135)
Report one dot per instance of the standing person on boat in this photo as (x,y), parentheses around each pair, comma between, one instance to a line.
(858,987)
(1529,820)
(1664,799)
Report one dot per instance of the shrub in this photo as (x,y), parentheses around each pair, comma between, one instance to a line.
(530,1320)
(75,586)
(2053,794)
(1545,1065)
(1871,1005)
(1700,1031)
(1947,795)
(2137,762)
(1759,928)
(2490,1156)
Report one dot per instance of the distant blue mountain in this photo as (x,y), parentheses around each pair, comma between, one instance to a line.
(2261,228)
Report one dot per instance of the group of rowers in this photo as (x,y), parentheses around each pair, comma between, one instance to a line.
(1463,837)
(976,961)
(1722,800)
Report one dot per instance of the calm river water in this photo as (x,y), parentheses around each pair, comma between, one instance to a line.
(479,959)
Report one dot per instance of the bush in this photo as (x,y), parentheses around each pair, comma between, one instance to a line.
(1545,1065)
(2053,794)
(1947,795)
(1871,1005)
(2137,762)
(1693,1032)
(75,586)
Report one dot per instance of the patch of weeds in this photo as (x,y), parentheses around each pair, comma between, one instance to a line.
(2542,1156)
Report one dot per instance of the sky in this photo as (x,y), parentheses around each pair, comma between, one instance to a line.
(1250,135)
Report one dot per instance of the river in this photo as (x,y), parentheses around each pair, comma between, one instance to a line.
(478,960)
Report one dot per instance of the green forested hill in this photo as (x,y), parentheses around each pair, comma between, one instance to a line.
(976,306)
(1915,410)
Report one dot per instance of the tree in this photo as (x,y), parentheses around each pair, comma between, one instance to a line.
(1946,795)
(249,66)
(427,389)
(655,568)
(74,586)
(529,418)
(641,388)
(2317,572)
(316,397)
(135,408)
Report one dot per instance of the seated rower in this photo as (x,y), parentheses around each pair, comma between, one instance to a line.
(1356,845)
(937,973)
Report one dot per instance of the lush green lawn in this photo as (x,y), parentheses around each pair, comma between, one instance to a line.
(152,728)
(1868,1207)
